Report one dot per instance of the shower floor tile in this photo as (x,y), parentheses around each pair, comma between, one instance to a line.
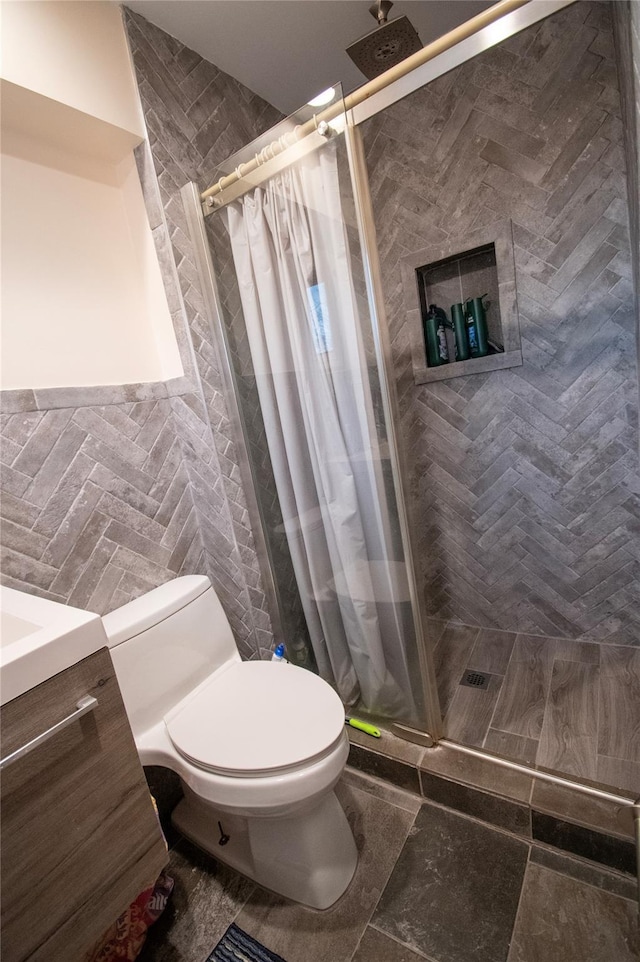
(566,705)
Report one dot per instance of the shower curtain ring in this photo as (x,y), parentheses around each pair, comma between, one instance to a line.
(239,170)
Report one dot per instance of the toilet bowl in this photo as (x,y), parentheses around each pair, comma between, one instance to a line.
(259,746)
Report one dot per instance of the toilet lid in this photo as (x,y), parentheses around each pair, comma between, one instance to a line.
(256,718)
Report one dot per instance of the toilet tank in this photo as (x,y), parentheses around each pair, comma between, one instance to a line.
(164,644)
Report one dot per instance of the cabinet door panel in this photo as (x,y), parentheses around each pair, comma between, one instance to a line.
(79,835)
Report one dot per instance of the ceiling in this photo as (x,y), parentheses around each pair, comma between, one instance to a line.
(290,50)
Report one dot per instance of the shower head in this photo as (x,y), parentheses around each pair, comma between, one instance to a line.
(390,43)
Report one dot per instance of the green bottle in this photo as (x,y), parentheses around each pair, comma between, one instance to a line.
(460,332)
(435,336)
(476,323)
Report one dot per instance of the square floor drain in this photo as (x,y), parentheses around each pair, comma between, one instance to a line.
(476,679)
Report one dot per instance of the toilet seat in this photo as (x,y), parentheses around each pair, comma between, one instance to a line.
(256,719)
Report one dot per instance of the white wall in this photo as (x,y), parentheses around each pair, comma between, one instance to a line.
(82,295)
(73,52)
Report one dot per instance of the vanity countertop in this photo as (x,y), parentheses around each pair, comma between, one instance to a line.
(40,638)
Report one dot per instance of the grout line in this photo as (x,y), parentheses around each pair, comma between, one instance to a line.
(502,689)
(520,900)
(479,821)
(405,945)
(390,786)
(599,713)
(386,881)
(588,863)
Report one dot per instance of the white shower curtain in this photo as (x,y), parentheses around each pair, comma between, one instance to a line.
(292,263)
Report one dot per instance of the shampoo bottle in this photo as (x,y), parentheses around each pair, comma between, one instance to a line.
(476,322)
(435,336)
(460,332)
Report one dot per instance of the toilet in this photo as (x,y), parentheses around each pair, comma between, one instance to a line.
(258,745)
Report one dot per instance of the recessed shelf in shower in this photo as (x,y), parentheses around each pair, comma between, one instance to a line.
(480,264)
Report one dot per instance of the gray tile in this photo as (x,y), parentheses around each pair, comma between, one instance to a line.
(520,708)
(75,397)
(479,804)
(565,232)
(15,402)
(206,899)
(568,650)
(595,813)
(470,711)
(618,773)
(617,853)
(451,869)
(518,747)
(408,801)
(492,651)
(391,770)
(477,772)
(561,918)
(388,744)
(380,830)
(377,947)
(568,742)
(40,443)
(583,871)
(451,657)
(619,724)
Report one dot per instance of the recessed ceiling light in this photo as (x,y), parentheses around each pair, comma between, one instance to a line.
(324,98)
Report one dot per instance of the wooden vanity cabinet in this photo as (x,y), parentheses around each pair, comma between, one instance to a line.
(80,839)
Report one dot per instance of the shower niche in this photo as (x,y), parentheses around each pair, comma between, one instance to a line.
(481,265)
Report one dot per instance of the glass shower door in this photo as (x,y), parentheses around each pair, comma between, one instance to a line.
(298,332)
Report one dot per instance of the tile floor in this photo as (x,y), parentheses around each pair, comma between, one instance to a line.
(569,706)
(431,884)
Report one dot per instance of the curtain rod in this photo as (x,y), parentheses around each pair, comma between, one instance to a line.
(363,93)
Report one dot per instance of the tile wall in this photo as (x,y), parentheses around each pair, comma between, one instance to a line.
(525,482)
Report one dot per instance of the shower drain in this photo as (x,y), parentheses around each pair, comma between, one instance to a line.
(476,679)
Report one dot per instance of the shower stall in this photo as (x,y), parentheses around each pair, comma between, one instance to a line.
(290,298)
(452,547)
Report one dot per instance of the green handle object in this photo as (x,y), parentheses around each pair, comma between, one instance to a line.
(363,727)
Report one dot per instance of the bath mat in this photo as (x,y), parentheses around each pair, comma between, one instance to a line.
(236,946)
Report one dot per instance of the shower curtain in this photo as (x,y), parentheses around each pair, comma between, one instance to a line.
(292,262)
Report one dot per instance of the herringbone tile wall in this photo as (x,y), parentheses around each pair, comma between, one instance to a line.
(96,505)
(196,117)
(525,482)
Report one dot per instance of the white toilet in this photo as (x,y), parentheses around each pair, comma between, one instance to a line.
(259,746)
